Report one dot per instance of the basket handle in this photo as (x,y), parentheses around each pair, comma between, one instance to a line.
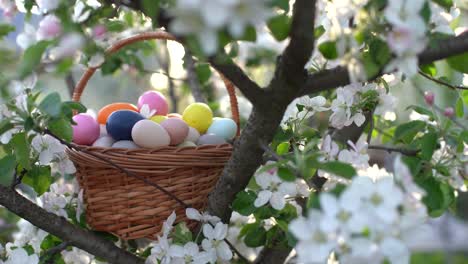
(81,85)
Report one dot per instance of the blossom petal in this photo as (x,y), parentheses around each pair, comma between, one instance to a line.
(262,198)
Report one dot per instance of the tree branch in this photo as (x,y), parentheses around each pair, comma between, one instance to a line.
(237,76)
(451,86)
(338,76)
(406,152)
(61,228)
(192,78)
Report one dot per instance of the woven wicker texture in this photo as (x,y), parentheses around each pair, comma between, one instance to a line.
(127,206)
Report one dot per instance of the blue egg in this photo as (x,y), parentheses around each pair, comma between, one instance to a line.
(224,128)
(120,123)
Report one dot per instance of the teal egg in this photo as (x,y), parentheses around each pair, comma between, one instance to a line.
(224,128)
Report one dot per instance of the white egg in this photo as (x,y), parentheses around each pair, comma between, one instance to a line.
(127,144)
(149,134)
(223,127)
(105,142)
(103,129)
(193,135)
(187,144)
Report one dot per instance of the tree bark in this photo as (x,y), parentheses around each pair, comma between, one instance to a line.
(66,231)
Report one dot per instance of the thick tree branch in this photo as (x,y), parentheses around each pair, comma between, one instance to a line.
(339,76)
(66,231)
(237,76)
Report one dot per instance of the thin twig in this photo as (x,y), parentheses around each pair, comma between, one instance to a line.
(48,256)
(406,152)
(71,84)
(127,172)
(17,179)
(192,78)
(451,86)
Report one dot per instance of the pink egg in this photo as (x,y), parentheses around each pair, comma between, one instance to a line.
(86,130)
(155,101)
(177,130)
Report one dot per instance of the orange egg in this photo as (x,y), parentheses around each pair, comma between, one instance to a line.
(107,110)
(174,115)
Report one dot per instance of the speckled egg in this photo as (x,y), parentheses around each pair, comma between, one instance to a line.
(86,130)
(177,129)
(104,142)
(158,118)
(198,116)
(126,144)
(107,110)
(148,134)
(120,123)
(223,127)
(156,101)
(193,135)
(210,139)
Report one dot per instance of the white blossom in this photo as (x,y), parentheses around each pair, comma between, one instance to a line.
(47,6)
(27,37)
(20,256)
(47,147)
(76,256)
(273,189)
(204,217)
(68,46)
(50,27)
(55,203)
(214,241)
(357,155)
(146,112)
(190,253)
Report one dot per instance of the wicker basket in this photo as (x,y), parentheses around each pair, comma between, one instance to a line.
(128,206)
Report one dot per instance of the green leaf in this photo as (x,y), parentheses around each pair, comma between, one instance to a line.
(421,110)
(459,108)
(318,31)
(439,196)
(338,168)
(50,241)
(244,203)
(5,125)
(407,131)
(429,69)
(379,51)
(51,105)
(5,29)
(425,12)
(7,168)
(459,62)
(282,4)
(151,9)
(283,148)
(256,237)
(279,26)
(39,178)
(447,4)
(61,128)
(428,144)
(286,174)
(203,72)
(328,50)
(32,58)
(22,149)
(182,234)
(264,212)
(115,26)
(250,34)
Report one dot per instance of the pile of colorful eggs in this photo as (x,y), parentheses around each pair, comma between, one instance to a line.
(123,125)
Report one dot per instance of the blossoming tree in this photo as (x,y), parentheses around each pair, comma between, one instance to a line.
(300,185)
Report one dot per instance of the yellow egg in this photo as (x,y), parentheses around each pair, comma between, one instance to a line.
(158,118)
(198,116)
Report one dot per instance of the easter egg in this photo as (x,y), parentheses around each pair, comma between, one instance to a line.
(86,130)
(177,129)
(210,139)
(126,144)
(174,115)
(193,135)
(187,144)
(107,110)
(223,127)
(198,116)
(148,134)
(158,118)
(120,123)
(155,101)
(104,142)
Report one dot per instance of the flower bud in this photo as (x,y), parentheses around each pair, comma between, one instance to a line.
(449,112)
(429,98)
(49,28)
(99,31)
